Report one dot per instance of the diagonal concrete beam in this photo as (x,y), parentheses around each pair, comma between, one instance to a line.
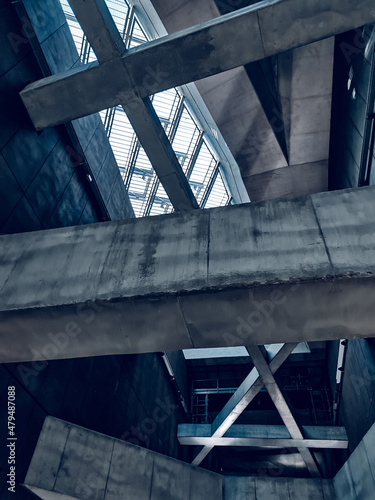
(281,271)
(239,401)
(104,37)
(267,436)
(233,40)
(282,407)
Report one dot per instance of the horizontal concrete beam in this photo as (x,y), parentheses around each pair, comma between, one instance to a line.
(232,40)
(188,432)
(104,37)
(264,442)
(281,271)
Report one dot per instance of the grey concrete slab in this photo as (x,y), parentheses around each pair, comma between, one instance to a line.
(235,107)
(290,220)
(48,495)
(361,471)
(284,182)
(285,22)
(45,463)
(344,484)
(238,488)
(130,463)
(352,211)
(84,465)
(172,58)
(264,431)
(308,490)
(328,489)
(87,460)
(301,298)
(171,479)
(272,489)
(205,485)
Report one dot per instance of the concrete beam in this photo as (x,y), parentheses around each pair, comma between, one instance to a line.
(70,462)
(283,408)
(263,436)
(286,270)
(232,40)
(104,37)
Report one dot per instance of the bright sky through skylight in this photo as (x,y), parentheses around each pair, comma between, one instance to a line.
(199,162)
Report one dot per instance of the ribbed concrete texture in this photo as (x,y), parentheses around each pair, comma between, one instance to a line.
(356,479)
(283,488)
(279,271)
(71,462)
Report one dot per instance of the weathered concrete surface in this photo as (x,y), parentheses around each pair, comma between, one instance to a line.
(356,479)
(270,27)
(268,488)
(73,462)
(280,271)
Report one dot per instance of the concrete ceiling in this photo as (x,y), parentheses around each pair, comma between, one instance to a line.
(275,115)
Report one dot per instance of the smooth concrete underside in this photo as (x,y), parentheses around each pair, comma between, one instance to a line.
(280,271)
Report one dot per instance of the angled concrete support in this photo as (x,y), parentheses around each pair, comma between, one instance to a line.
(281,271)
(232,40)
(103,35)
(283,408)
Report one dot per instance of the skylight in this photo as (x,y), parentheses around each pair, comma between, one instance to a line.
(193,146)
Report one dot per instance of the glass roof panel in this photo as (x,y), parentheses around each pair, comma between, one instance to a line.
(183,130)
